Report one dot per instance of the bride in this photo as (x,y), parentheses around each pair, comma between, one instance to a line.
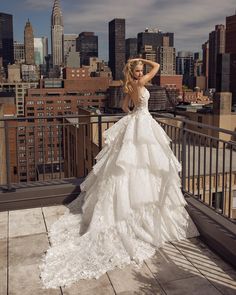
(130,203)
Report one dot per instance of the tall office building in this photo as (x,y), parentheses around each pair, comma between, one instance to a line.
(87,46)
(40,50)
(151,38)
(6,40)
(166,56)
(130,48)
(205,62)
(185,66)
(29,43)
(230,49)
(19,52)
(57,32)
(117,47)
(216,46)
(230,43)
(69,43)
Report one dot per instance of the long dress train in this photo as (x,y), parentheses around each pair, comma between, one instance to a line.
(130,204)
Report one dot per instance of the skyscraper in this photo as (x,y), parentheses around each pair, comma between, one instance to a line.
(205,61)
(87,46)
(6,40)
(57,31)
(117,47)
(184,66)
(216,46)
(40,50)
(130,48)
(29,43)
(230,49)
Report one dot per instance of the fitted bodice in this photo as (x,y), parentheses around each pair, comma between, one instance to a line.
(144,96)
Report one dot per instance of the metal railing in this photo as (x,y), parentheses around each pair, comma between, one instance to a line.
(50,149)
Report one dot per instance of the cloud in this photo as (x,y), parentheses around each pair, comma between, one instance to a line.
(37,5)
(191,21)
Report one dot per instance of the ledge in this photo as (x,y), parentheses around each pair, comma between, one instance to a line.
(216,231)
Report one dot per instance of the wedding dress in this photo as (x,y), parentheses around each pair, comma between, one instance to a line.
(130,204)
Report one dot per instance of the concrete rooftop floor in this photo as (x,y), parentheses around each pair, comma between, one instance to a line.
(187,267)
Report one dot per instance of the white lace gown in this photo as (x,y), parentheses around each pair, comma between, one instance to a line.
(130,204)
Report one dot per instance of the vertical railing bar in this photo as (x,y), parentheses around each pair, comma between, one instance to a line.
(35,158)
(8,164)
(99,132)
(189,152)
(183,157)
(223,182)
(51,148)
(43,143)
(76,150)
(199,166)
(17,152)
(26,151)
(179,144)
(59,145)
(204,170)
(210,174)
(230,179)
(193,177)
(216,175)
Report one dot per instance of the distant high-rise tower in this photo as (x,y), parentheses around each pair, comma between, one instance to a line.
(6,40)
(40,50)
(130,48)
(184,66)
(117,47)
(57,32)
(205,61)
(216,46)
(87,46)
(230,49)
(29,43)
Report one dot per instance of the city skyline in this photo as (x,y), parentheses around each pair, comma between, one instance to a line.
(190,21)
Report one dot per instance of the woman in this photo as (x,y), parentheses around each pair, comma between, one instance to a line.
(130,203)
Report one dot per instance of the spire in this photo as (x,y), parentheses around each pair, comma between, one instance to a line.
(56,18)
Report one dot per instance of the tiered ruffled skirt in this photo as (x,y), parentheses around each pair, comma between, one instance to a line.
(130,204)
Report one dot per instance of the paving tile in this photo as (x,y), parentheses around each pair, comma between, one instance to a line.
(3,267)
(225,281)
(168,264)
(27,250)
(201,256)
(101,286)
(24,280)
(52,214)
(26,222)
(190,286)
(133,280)
(3,225)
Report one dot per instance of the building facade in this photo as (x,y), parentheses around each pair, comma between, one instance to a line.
(216,46)
(6,40)
(29,43)
(117,47)
(185,66)
(131,48)
(40,50)
(230,49)
(19,52)
(87,46)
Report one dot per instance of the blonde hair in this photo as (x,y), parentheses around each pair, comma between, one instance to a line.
(128,75)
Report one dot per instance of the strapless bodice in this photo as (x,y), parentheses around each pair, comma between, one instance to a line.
(143,103)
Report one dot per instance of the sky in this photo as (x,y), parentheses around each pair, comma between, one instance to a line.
(189,20)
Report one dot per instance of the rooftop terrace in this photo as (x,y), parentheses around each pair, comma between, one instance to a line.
(186,267)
